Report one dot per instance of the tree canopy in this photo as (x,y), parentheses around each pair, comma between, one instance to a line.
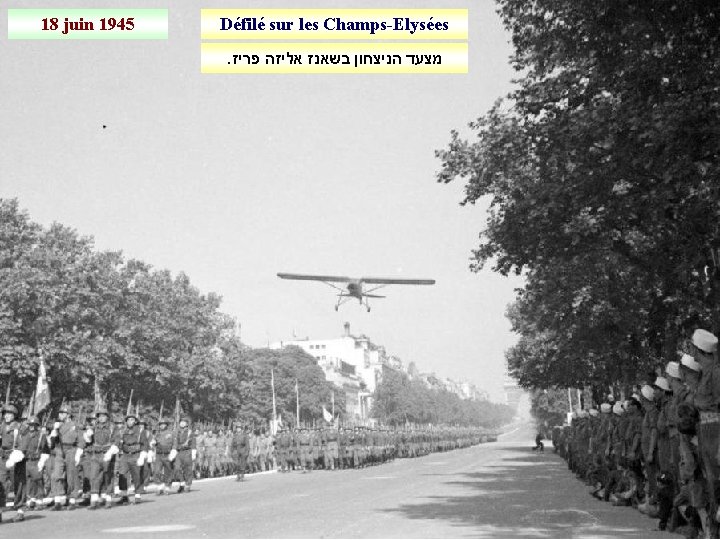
(601,172)
(398,400)
(96,317)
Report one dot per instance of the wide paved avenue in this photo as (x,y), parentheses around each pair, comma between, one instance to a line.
(499,489)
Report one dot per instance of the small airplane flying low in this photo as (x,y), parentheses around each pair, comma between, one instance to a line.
(354,287)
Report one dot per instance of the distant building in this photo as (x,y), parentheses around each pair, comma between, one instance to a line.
(357,365)
(353,362)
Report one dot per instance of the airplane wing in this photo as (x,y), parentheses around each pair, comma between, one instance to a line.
(308,277)
(394,281)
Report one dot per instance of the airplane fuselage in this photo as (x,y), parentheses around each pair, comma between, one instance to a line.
(355,289)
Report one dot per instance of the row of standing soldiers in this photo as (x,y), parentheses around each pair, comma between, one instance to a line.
(659,451)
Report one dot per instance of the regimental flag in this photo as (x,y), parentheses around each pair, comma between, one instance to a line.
(42,390)
(326,414)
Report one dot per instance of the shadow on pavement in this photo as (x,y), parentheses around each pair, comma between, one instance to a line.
(529,496)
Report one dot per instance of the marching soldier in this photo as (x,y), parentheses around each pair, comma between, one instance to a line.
(164,441)
(184,455)
(10,455)
(67,444)
(35,447)
(133,445)
(102,445)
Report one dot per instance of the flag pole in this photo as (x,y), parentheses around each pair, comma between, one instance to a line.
(332,396)
(297,404)
(272,384)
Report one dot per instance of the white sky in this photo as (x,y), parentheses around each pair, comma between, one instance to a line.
(233,178)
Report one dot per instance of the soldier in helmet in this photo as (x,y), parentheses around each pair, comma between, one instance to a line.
(240,448)
(164,440)
(35,447)
(133,445)
(67,444)
(102,445)
(10,454)
(185,454)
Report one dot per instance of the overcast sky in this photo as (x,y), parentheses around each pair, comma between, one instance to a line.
(233,178)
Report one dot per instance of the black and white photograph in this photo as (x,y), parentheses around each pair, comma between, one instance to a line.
(359,269)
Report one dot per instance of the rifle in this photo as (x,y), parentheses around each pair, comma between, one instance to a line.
(177,413)
(81,416)
(129,407)
(162,405)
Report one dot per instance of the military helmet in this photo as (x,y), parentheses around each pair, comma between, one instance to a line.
(101,410)
(10,408)
(33,420)
(162,421)
(64,409)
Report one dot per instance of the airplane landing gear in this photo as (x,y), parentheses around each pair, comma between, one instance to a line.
(336,307)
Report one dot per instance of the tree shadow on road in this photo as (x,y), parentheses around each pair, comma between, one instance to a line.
(528,496)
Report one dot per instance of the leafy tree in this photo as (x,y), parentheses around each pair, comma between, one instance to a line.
(288,365)
(398,400)
(600,170)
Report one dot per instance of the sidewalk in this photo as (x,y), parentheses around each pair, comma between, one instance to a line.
(543,498)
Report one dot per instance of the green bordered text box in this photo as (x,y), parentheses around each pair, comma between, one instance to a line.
(83,23)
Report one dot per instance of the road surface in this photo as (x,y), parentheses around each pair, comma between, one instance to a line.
(499,489)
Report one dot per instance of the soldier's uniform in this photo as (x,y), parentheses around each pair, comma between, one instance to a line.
(283,441)
(707,401)
(240,448)
(303,442)
(185,445)
(35,447)
(331,454)
(66,444)
(10,444)
(100,450)
(134,448)
(269,451)
(163,467)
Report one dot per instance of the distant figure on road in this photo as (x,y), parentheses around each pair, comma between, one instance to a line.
(539,443)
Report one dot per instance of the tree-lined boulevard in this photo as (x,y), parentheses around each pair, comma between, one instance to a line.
(500,490)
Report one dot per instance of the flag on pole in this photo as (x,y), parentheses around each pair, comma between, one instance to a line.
(42,390)
(297,403)
(326,415)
